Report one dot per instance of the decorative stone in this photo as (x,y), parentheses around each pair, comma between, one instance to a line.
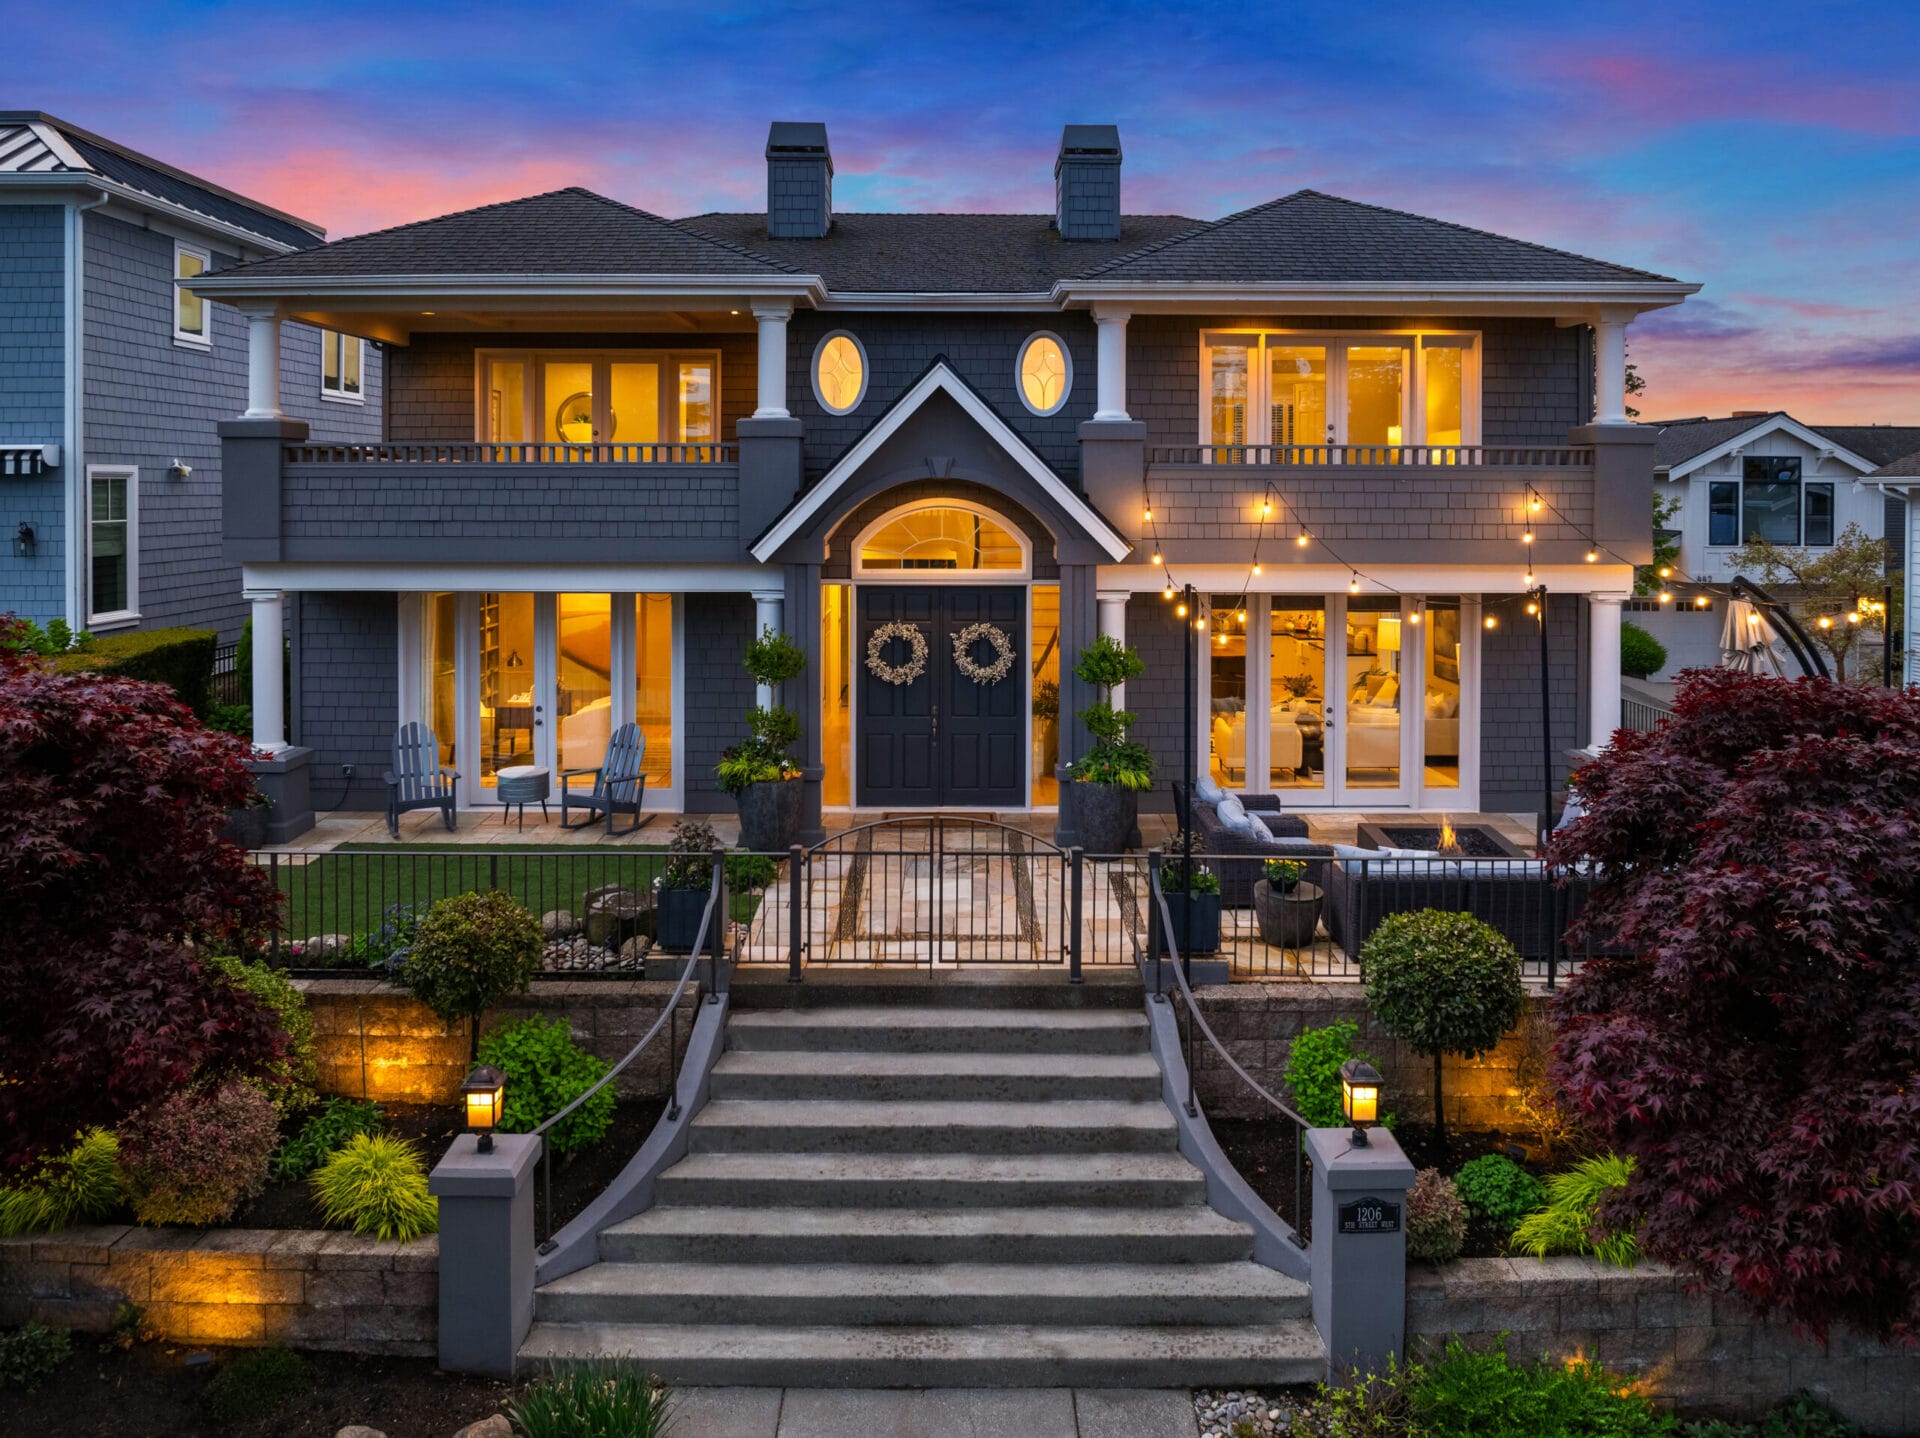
(619,915)
(359,1430)
(559,923)
(633,954)
(322,946)
(573,956)
(495,1427)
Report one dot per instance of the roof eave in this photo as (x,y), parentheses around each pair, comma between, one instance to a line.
(238,288)
(1557,298)
(939,300)
(1812,438)
(81,180)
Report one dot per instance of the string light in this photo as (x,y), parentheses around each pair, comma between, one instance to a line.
(1699,601)
(1665,598)
(1167,593)
(1527,538)
(1201,622)
(1156,557)
(1266,508)
(1533,502)
(1492,621)
(1529,577)
(1593,556)
(1243,616)
(1826,621)
(1181,610)
(1256,566)
(1665,572)
(1532,608)
(1301,539)
(1353,584)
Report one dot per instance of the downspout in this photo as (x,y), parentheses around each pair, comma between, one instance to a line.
(73,451)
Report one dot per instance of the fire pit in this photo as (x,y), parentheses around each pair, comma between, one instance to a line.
(1475,841)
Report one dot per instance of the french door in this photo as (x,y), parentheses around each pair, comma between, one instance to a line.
(1308,390)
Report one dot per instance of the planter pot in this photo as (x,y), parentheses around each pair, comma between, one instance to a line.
(1287,920)
(1104,816)
(247,825)
(770,816)
(1205,937)
(679,918)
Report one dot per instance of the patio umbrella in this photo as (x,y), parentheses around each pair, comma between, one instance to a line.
(1746,641)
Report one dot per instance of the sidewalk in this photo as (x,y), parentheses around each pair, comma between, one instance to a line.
(933,1413)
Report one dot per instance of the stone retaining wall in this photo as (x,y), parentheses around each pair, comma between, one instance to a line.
(240,1286)
(375,1041)
(1697,1350)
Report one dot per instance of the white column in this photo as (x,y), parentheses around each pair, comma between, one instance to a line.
(1111,358)
(772,320)
(269,702)
(767,604)
(1603,671)
(1610,366)
(263,363)
(1113,625)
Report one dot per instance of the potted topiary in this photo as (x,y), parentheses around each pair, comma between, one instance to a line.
(1286,909)
(1108,779)
(1200,933)
(758,772)
(684,884)
(470,952)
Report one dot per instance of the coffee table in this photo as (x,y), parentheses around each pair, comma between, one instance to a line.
(521,785)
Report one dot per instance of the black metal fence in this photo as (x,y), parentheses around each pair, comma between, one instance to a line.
(225,686)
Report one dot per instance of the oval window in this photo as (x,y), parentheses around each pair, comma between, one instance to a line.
(839,372)
(1046,374)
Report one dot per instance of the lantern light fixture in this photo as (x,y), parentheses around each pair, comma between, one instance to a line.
(1360,1097)
(484,1093)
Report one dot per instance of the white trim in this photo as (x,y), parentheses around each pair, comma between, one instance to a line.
(411,622)
(1019,373)
(130,613)
(944,576)
(423,578)
(667,292)
(813,371)
(341,395)
(204,339)
(1362,296)
(1771,424)
(144,205)
(940,379)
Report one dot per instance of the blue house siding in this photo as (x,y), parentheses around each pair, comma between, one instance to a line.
(346,692)
(32,398)
(1513,757)
(719,693)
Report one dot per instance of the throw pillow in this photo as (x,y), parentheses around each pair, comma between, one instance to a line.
(1232,813)
(1208,791)
(1257,828)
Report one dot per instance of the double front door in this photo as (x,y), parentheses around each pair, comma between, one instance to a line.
(942,737)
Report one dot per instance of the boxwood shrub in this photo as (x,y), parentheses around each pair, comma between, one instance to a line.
(546,1070)
(182,659)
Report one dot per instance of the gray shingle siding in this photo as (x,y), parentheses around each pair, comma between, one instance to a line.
(1155,697)
(719,693)
(32,402)
(1511,754)
(346,698)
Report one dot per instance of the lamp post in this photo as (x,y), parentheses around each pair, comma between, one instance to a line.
(1360,1097)
(484,1093)
(1190,613)
(1539,596)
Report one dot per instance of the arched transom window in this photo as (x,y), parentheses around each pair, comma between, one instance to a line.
(941,539)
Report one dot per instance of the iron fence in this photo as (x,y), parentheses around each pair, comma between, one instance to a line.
(225,686)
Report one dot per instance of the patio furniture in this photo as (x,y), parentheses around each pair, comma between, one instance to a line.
(417,779)
(1287,918)
(1237,875)
(521,785)
(1519,898)
(618,783)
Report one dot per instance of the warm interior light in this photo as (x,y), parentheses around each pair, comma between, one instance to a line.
(1393,434)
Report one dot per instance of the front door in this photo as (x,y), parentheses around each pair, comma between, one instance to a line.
(942,738)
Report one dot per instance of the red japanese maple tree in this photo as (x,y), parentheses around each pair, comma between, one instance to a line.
(112,798)
(1760,1052)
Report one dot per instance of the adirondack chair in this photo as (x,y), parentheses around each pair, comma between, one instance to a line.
(417,780)
(618,783)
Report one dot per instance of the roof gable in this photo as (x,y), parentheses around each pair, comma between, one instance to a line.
(1686,445)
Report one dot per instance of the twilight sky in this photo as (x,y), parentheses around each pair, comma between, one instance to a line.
(1770,150)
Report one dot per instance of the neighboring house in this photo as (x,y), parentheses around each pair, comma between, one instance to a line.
(618,445)
(112,380)
(1899,480)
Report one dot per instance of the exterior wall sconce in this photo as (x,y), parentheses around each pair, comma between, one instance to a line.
(1360,1097)
(23,541)
(485,1092)
(180,470)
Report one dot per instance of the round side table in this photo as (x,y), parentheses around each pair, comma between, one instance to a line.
(521,785)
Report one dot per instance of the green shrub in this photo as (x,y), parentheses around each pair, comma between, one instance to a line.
(29,1354)
(1483,1394)
(594,1400)
(1570,1221)
(327,1131)
(1443,984)
(690,855)
(1113,758)
(181,659)
(747,872)
(194,1156)
(1366,1405)
(388,946)
(81,1185)
(290,1079)
(19,635)
(1498,1192)
(257,1384)
(1641,654)
(1313,1073)
(1436,1219)
(234,719)
(471,951)
(545,1071)
(377,1184)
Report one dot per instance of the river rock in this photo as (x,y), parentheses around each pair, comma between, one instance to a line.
(617,916)
(559,923)
(494,1427)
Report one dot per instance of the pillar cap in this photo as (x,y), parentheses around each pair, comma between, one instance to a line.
(465,1172)
(1382,1164)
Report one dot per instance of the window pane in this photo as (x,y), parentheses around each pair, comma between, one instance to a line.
(506,401)
(1441,745)
(1374,384)
(1227,711)
(696,402)
(569,402)
(1297,393)
(1819,514)
(1445,394)
(583,678)
(634,401)
(190,311)
(1723,512)
(1772,512)
(1297,632)
(1373,692)
(108,545)
(836,689)
(1227,393)
(350,363)
(839,374)
(653,684)
(1043,373)
(1046,693)
(506,682)
(329,360)
(940,537)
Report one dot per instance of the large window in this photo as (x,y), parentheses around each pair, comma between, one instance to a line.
(1304,389)
(189,310)
(1440,620)
(1770,499)
(113,495)
(341,357)
(1723,512)
(1296,693)
(630,397)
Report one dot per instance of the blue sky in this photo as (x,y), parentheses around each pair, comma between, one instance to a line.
(1771,151)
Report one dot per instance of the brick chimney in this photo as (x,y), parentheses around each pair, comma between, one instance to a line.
(1086,183)
(799,180)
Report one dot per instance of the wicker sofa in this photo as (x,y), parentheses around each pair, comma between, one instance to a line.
(1238,876)
(1517,897)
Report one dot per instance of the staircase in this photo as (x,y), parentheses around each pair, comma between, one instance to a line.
(895,1196)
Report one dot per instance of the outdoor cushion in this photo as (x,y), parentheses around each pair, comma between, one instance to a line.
(1258,829)
(1205,788)
(1232,813)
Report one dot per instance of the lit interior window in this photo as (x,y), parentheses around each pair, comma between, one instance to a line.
(1043,374)
(840,374)
(940,538)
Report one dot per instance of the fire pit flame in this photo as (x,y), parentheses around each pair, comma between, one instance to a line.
(1449,841)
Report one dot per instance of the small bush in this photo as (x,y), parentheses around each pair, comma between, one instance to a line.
(1498,1192)
(390,945)
(377,1184)
(1366,1405)
(257,1384)
(81,1185)
(1486,1395)
(1571,1221)
(690,855)
(546,1070)
(322,1135)
(29,1354)
(1436,1219)
(291,1079)
(471,951)
(1641,655)
(181,659)
(595,1400)
(193,1158)
(1313,1073)
(234,719)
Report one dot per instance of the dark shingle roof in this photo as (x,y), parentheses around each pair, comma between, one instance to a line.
(939,254)
(1308,237)
(1905,467)
(1680,440)
(1881,443)
(563,232)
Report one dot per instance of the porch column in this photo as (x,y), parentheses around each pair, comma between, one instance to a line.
(1113,625)
(1603,673)
(1111,362)
(1610,365)
(263,362)
(766,615)
(772,320)
(269,697)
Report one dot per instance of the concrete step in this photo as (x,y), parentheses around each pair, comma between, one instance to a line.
(943,1295)
(951,1077)
(763,1180)
(1024,1356)
(943,1030)
(808,1126)
(1190,1234)
(1102,986)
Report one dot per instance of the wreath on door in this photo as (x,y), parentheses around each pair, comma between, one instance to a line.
(979,673)
(899,674)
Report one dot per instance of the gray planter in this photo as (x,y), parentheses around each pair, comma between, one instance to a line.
(770,816)
(1104,815)
(679,918)
(1287,920)
(1201,934)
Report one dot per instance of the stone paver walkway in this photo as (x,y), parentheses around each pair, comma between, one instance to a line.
(934,1413)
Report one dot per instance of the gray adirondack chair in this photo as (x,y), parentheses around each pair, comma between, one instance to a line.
(417,780)
(618,783)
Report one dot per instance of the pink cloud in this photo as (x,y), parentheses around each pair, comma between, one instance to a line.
(1740,88)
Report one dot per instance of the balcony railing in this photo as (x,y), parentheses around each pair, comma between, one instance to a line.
(486,453)
(1376,456)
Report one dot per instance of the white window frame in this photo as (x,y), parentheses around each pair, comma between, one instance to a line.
(813,371)
(341,396)
(115,618)
(1020,366)
(203,340)
(533,412)
(1022,575)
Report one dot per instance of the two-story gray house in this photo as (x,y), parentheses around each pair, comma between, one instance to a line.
(113,379)
(618,445)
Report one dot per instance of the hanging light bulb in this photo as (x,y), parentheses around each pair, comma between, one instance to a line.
(1533,502)
(1256,566)
(1529,578)
(1301,539)
(1665,598)
(1181,609)
(1491,621)
(1149,514)
(1826,621)
(1532,608)
(1593,556)
(1201,622)
(1353,584)
(1220,638)
(1527,538)
(1665,572)
(1266,508)
(1419,609)
(1167,593)
(1156,557)
(1243,616)
(1699,601)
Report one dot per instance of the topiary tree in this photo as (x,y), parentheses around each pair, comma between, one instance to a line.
(1751,1033)
(470,952)
(1641,655)
(1442,984)
(1114,758)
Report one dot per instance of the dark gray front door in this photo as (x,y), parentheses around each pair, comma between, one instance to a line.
(943,739)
